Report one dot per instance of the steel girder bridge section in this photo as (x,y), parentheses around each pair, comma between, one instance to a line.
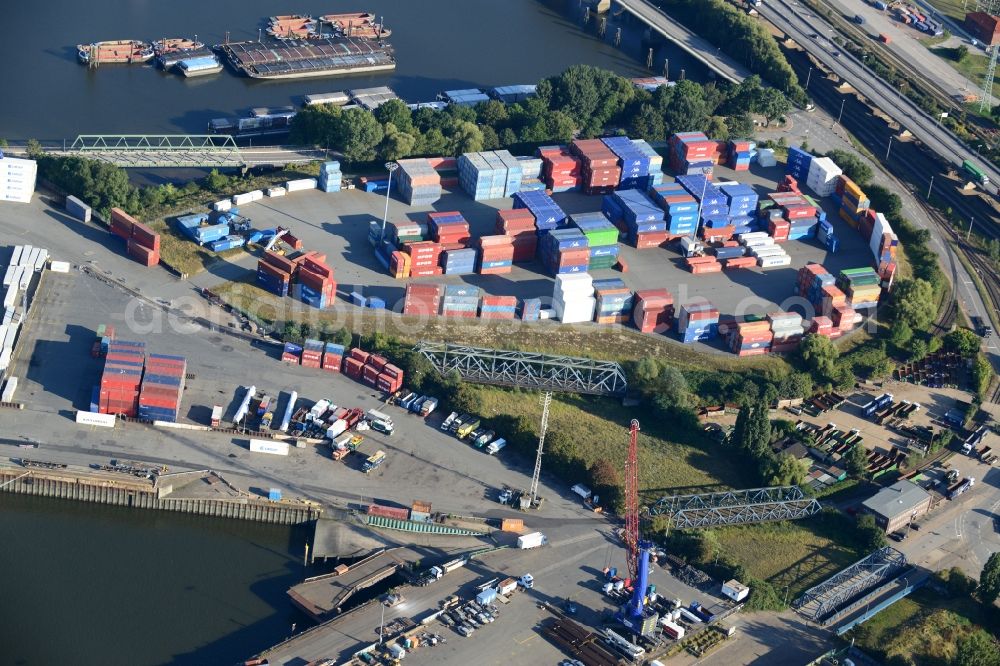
(159,150)
(736,507)
(825,599)
(526,370)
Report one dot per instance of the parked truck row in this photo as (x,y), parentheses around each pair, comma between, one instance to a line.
(468,427)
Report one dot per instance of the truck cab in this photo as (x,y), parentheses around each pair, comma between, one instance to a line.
(527,581)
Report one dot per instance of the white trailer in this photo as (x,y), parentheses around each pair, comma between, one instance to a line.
(269,446)
(532,540)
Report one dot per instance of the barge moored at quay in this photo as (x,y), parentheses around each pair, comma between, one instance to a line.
(115,51)
(293,59)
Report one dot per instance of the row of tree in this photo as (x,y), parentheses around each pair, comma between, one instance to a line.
(583,101)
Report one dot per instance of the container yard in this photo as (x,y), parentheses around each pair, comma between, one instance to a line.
(729,243)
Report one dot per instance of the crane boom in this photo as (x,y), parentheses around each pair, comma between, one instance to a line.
(632,500)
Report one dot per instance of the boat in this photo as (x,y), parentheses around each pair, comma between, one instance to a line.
(175,45)
(199,66)
(291,26)
(301,58)
(360,24)
(123,50)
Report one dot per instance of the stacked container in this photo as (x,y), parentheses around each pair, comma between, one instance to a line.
(162,388)
(548,215)
(422,299)
(602,238)
(750,338)
(330,176)
(821,325)
(316,286)
(312,354)
(291,353)
(496,255)
(483,175)
(699,265)
(853,202)
(818,286)
(560,169)
(459,262)
(653,310)
(614,301)
(692,153)
(531,173)
(655,176)
(530,309)
(197,228)
(417,181)
(142,243)
(122,377)
(786,327)
(765,250)
(742,201)
(274,273)
(634,163)
(681,208)
(406,232)
(333,355)
(449,229)
(447,170)
(565,251)
(599,171)
(498,307)
(822,176)
(373,370)
(573,298)
(519,224)
(460,301)
(424,258)
(642,219)
(797,164)
(399,265)
(862,286)
(697,320)
(740,152)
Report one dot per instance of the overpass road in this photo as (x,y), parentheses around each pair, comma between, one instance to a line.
(698,47)
(813,35)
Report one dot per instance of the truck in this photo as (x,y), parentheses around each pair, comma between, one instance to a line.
(532,540)
(396,651)
(583,491)
(446,424)
(408,400)
(496,446)
(674,631)
(527,581)
(216,416)
(428,406)
(884,38)
(466,428)
(975,173)
(483,439)
(960,487)
(265,421)
(318,410)
(374,462)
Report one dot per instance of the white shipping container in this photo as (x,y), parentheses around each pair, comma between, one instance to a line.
(10,334)
(4,359)
(301,184)
(532,540)
(8,390)
(59,267)
(16,257)
(94,419)
(43,256)
(276,192)
(774,262)
(768,251)
(222,206)
(8,275)
(30,257)
(10,296)
(247,197)
(268,446)
(765,157)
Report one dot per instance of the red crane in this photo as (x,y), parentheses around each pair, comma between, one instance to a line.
(631,536)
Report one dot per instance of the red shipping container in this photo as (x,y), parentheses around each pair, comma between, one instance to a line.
(392,371)
(388,512)
(274,271)
(318,267)
(279,262)
(332,362)
(145,236)
(144,255)
(378,362)
(352,367)
(359,354)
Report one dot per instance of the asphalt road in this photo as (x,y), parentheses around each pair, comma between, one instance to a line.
(800,24)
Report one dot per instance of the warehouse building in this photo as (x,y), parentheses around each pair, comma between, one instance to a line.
(899,504)
(17,179)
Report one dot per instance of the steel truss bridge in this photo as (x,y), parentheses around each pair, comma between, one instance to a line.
(526,370)
(159,150)
(827,598)
(736,507)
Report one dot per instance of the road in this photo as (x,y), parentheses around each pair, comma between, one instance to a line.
(698,47)
(799,24)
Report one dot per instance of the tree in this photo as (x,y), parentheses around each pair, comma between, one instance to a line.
(290,332)
(575,92)
(993,249)
(785,470)
(740,125)
(396,144)
(492,113)
(647,369)
(977,649)
(919,349)
(989,580)
(717,128)
(772,104)
(34,149)
(857,461)
(853,166)
(739,434)
(467,138)
(900,333)
(963,341)
(396,113)
(362,134)
(686,111)
(216,181)
(3,142)
(961,53)
(560,127)
(647,123)
(602,474)
(982,374)
(872,536)
(913,303)
(819,355)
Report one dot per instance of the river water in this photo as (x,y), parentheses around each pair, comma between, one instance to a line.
(440,45)
(90,584)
